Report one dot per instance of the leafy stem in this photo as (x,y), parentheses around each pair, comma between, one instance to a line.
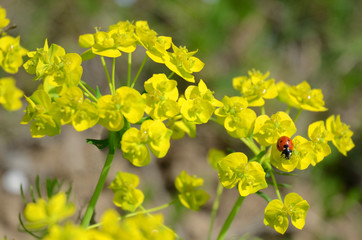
(230,218)
(139,71)
(215,207)
(275,183)
(107,74)
(113,143)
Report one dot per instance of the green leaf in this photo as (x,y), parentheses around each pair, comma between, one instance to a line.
(99,143)
(27,230)
(98,93)
(87,55)
(37,185)
(51,185)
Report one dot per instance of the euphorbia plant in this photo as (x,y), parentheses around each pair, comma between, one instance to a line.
(141,122)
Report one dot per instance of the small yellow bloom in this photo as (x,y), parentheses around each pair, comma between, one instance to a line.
(237,119)
(161,97)
(235,169)
(302,97)
(301,158)
(139,227)
(268,130)
(3,20)
(255,88)
(183,63)
(126,196)
(45,214)
(189,193)
(199,103)
(341,134)
(11,54)
(10,95)
(276,212)
(320,137)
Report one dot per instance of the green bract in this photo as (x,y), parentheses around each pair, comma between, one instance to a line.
(255,87)
(43,214)
(9,94)
(126,196)
(268,130)
(152,133)
(189,193)
(199,104)
(237,119)
(11,54)
(341,134)
(276,213)
(161,97)
(214,156)
(320,136)
(235,168)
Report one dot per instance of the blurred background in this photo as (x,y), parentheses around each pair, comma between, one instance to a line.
(320,42)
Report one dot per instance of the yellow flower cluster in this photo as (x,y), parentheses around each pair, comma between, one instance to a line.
(11,59)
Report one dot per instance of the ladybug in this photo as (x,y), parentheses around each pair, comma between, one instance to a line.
(285,145)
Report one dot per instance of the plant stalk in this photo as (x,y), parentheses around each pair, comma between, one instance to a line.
(102,179)
(230,218)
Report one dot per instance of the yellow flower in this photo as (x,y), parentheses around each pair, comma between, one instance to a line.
(11,54)
(237,119)
(301,158)
(3,20)
(302,97)
(276,212)
(255,87)
(10,95)
(268,130)
(44,214)
(319,135)
(161,96)
(199,103)
(156,46)
(341,134)
(183,63)
(154,134)
(235,169)
(126,196)
(139,227)
(189,193)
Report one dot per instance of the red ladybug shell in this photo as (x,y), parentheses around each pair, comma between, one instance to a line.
(284,143)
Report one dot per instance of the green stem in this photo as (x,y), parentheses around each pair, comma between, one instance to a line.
(230,218)
(171,74)
(298,113)
(89,94)
(215,207)
(155,209)
(275,184)
(288,109)
(129,69)
(262,110)
(113,75)
(107,74)
(113,142)
(251,144)
(139,71)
